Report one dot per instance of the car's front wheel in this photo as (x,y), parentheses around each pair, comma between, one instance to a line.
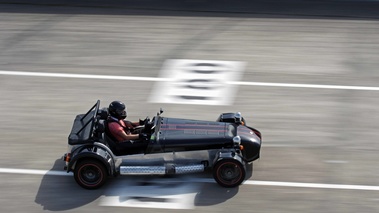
(229,173)
(90,174)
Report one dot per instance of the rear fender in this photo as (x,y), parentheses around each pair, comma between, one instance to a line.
(93,151)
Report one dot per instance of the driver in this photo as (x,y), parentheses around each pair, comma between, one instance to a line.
(120,129)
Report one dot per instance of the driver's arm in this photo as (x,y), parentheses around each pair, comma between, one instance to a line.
(125,136)
(132,124)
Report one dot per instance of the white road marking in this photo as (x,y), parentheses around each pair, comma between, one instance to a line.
(34,172)
(315,185)
(146,194)
(135,78)
(85,76)
(209,180)
(313,86)
(204,82)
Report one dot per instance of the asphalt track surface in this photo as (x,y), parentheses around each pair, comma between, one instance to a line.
(320,143)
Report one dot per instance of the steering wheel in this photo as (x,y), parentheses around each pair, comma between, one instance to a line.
(146,124)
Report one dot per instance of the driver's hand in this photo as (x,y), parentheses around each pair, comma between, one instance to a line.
(143,136)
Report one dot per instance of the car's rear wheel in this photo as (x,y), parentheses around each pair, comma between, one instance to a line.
(90,174)
(229,173)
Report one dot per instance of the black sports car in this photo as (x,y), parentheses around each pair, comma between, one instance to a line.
(173,146)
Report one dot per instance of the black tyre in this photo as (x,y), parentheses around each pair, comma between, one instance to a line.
(229,173)
(90,174)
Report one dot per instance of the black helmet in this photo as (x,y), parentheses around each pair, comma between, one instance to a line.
(117,109)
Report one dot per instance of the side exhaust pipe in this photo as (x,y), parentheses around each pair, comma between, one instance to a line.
(161,170)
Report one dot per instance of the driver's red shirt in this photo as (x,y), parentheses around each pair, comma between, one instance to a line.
(115,128)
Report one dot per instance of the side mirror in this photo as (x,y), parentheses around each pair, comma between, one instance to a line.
(160,111)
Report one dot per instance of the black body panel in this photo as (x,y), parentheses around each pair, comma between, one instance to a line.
(173,134)
(184,135)
(251,141)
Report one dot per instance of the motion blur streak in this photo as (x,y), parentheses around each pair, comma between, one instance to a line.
(209,180)
(136,78)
